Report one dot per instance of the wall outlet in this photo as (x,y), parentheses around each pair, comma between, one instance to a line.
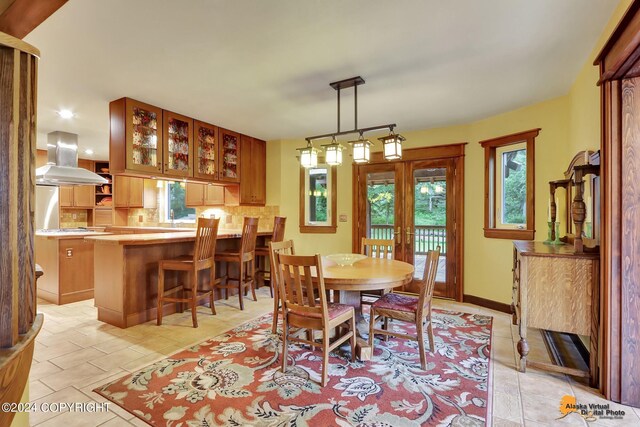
(343,218)
(69,252)
(228,219)
(74,215)
(140,218)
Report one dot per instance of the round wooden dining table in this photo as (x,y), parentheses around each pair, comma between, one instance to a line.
(365,275)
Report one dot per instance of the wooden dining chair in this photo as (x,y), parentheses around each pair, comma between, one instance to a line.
(376,248)
(283,247)
(409,308)
(202,259)
(301,309)
(263,253)
(245,258)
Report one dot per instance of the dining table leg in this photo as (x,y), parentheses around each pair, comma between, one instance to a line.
(352,298)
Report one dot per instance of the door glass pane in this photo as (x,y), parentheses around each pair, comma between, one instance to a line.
(178,144)
(381,189)
(430,218)
(145,137)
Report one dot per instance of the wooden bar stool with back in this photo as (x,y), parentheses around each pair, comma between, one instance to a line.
(263,255)
(245,258)
(202,259)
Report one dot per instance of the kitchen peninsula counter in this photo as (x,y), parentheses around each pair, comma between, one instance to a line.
(126,271)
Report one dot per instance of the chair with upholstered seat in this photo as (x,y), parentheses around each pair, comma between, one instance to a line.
(263,254)
(245,258)
(283,247)
(202,259)
(408,308)
(305,306)
(376,248)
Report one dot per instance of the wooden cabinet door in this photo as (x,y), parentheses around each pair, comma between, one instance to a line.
(246,172)
(205,151)
(177,144)
(213,195)
(259,171)
(84,196)
(136,192)
(102,216)
(143,134)
(120,191)
(229,156)
(66,197)
(194,196)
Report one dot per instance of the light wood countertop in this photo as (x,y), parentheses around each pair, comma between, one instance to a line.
(160,238)
(61,235)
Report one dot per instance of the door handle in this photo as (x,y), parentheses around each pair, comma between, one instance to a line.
(409,234)
(398,235)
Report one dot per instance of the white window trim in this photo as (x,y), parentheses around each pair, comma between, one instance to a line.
(500,151)
(307,209)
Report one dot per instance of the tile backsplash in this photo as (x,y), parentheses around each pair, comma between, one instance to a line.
(67,219)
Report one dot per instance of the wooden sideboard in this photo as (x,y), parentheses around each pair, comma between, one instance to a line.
(555,288)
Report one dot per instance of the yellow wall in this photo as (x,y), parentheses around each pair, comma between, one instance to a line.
(569,123)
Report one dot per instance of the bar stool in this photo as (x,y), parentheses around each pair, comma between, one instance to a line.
(245,258)
(263,255)
(202,259)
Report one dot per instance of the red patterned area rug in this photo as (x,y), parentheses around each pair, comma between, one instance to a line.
(234,379)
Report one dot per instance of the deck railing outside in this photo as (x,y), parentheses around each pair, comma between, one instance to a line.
(427,237)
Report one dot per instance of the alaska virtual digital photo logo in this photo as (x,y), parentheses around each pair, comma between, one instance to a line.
(590,411)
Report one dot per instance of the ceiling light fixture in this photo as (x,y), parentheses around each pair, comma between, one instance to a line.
(361,147)
(361,150)
(309,156)
(333,153)
(88,151)
(392,145)
(66,114)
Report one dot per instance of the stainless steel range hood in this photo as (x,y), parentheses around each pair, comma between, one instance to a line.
(62,166)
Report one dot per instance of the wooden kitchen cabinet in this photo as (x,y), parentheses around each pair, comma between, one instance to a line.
(81,196)
(177,144)
(198,195)
(65,195)
(252,190)
(206,146)
(128,192)
(229,156)
(136,137)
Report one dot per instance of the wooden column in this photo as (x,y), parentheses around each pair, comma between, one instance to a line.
(18,323)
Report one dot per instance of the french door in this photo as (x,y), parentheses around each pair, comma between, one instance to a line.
(418,203)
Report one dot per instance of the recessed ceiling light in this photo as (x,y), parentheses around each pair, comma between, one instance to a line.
(88,151)
(65,114)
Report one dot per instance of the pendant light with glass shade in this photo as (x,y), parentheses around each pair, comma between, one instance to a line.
(392,144)
(309,156)
(333,153)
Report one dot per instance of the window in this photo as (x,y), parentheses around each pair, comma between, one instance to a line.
(318,199)
(509,186)
(175,202)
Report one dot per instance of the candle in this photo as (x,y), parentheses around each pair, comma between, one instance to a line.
(557,208)
(549,210)
(589,208)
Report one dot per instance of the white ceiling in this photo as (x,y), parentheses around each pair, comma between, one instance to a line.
(263,67)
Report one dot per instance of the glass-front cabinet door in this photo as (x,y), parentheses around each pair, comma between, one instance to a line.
(144,137)
(229,156)
(206,151)
(178,145)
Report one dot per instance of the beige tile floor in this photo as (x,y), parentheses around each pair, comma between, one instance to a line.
(75,353)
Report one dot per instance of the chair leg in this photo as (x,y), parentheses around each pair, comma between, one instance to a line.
(194,297)
(226,279)
(212,280)
(423,356)
(386,328)
(253,280)
(325,356)
(372,323)
(353,339)
(285,344)
(432,347)
(240,287)
(160,296)
(276,311)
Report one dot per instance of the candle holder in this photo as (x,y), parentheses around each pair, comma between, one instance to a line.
(549,240)
(557,241)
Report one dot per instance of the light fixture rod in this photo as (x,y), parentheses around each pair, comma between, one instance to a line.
(347,132)
(355,104)
(338,109)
